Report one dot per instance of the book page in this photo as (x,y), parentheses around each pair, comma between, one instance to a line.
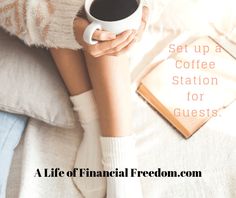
(195,83)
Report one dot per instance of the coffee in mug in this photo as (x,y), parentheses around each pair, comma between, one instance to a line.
(115,16)
(113,10)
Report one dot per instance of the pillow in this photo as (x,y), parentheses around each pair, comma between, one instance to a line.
(30,84)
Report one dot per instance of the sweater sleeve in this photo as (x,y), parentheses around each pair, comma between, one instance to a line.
(46,23)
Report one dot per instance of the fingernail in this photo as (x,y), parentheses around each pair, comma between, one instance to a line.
(129,32)
(112,36)
(133,35)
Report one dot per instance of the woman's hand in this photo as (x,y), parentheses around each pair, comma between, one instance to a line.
(143,23)
(109,43)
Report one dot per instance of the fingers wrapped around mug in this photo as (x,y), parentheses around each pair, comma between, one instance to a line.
(112,47)
(100,35)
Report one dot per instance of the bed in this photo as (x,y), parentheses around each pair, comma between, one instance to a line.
(29,84)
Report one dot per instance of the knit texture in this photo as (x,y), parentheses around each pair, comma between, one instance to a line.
(41,22)
(85,106)
(89,152)
(120,153)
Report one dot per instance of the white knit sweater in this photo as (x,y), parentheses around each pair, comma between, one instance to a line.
(41,22)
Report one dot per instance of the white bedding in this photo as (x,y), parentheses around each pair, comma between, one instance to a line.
(211,150)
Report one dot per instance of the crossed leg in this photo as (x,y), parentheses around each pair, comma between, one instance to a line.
(110,80)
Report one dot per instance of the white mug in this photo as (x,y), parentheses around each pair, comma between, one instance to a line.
(131,22)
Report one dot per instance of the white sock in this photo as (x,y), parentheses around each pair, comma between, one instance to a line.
(89,153)
(119,152)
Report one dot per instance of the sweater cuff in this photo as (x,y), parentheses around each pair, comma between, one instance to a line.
(62,27)
(56,27)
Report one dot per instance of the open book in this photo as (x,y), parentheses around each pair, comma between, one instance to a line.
(193,85)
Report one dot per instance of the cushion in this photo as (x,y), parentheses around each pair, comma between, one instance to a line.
(30,84)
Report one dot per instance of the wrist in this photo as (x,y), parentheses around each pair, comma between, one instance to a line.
(79,26)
